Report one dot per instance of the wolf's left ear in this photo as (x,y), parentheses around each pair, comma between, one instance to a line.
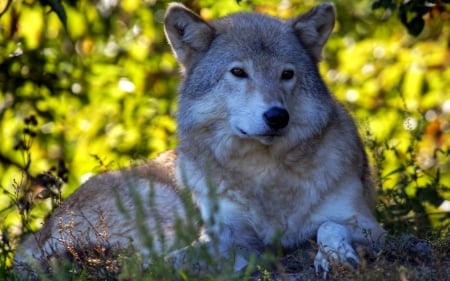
(314,28)
(186,32)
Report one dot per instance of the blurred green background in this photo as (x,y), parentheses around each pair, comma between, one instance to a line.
(99,93)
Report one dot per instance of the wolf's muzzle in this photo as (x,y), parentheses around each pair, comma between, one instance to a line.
(276,118)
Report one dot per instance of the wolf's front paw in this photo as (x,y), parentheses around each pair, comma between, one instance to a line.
(342,254)
(334,248)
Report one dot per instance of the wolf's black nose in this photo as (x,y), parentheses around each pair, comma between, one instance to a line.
(276,117)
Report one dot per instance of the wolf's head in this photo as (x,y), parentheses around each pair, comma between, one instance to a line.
(251,77)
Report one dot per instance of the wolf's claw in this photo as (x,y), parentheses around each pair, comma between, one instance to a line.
(327,256)
(321,263)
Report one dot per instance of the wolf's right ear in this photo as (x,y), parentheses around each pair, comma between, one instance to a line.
(186,32)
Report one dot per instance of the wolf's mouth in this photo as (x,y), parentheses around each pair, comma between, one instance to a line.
(242,132)
(270,134)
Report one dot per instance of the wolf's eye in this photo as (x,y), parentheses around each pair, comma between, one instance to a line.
(239,72)
(287,74)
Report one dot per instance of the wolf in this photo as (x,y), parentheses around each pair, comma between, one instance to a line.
(267,152)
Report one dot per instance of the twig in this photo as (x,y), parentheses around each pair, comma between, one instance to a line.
(8,161)
(8,3)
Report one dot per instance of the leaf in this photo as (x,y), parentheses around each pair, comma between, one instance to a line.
(386,4)
(430,194)
(58,8)
(403,15)
(395,171)
(416,25)
(376,5)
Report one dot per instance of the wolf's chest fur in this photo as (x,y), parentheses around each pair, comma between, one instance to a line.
(266,192)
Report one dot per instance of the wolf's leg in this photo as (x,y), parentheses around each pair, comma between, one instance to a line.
(334,242)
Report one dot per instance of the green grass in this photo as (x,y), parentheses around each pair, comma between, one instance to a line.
(404,258)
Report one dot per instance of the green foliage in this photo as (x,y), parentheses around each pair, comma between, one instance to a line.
(413,14)
(409,195)
(91,85)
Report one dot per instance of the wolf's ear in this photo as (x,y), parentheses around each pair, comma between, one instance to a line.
(186,32)
(314,28)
